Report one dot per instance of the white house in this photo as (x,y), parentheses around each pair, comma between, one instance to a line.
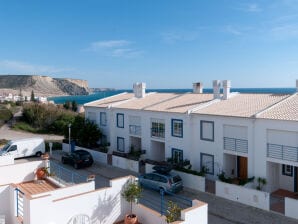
(25,200)
(243,135)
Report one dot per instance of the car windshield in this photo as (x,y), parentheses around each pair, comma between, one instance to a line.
(177,179)
(4,149)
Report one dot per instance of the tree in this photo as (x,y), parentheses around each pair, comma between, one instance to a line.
(32,98)
(74,106)
(131,192)
(66,105)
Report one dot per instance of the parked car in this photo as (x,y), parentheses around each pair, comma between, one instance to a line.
(168,181)
(78,158)
(24,147)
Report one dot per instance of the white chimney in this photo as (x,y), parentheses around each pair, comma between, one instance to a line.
(139,89)
(226,89)
(197,87)
(216,89)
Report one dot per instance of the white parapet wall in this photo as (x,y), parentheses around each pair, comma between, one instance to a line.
(97,206)
(198,213)
(6,160)
(126,163)
(21,172)
(97,156)
(252,197)
(5,203)
(291,206)
(192,181)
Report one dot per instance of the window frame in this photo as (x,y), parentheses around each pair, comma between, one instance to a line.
(285,170)
(179,121)
(201,164)
(101,119)
(118,139)
(118,124)
(179,151)
(202,131)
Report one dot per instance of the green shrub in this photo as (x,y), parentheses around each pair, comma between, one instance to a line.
(22,126)
(56,146)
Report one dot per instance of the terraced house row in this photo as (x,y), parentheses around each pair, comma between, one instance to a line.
(242,134)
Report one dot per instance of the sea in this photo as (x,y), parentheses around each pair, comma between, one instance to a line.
(82,99)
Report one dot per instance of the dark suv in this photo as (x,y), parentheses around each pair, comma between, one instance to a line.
(168,181)
(78,158)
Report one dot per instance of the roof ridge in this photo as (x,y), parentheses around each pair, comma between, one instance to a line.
(127,100)
(95,101)
(273,105)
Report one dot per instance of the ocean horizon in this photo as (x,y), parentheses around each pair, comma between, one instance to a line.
(82,99)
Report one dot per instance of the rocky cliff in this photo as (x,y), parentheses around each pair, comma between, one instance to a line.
(42,85)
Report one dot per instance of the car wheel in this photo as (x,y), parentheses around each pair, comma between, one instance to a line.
(76,166)
(38,154)
(63,161)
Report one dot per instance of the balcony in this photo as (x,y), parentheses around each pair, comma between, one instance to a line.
(282,152)
(236,145)
(135,130)
(157,133)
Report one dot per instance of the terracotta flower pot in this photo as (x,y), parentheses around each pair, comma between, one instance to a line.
(40,173)
(131,219)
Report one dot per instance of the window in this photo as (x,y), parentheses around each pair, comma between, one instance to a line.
(177,155)
(12,148)
(103,118)
(207,161)
(287,170)
(120,144)
(157,128)
(92,117)
(177,128)
(207,130)
(120,120)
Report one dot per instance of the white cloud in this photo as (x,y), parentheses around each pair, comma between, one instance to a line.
(99,45)
(232,30)
(115,48)
(12,66)
(175,36)
(250,7)
(284,32)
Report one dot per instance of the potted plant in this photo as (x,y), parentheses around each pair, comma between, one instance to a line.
(42,172)
(261,183)
(173,212)
(131,193)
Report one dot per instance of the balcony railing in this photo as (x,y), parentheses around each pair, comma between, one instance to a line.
(135,130)
(236,145)
(157,133)
(282,152)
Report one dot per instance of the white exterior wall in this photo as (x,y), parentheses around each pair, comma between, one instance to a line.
(255,198)
(146,116)
(275,132)
(291,206)
(104,129)
(216,147)
(6,160)
(5,208)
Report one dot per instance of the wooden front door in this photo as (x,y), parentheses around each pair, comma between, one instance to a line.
(242,167)
(296,180)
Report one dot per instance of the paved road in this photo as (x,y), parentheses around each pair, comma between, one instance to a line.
(7,133)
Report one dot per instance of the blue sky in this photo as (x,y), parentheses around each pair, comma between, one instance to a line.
(165,43)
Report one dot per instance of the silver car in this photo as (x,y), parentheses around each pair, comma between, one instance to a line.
(170,181)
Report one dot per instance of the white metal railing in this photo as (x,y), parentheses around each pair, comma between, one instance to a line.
(237,145)
(135,130)
(19,203)
(282,152)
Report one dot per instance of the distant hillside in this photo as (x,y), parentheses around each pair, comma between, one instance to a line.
(42,85)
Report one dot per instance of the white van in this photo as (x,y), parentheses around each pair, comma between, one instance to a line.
(24,147)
